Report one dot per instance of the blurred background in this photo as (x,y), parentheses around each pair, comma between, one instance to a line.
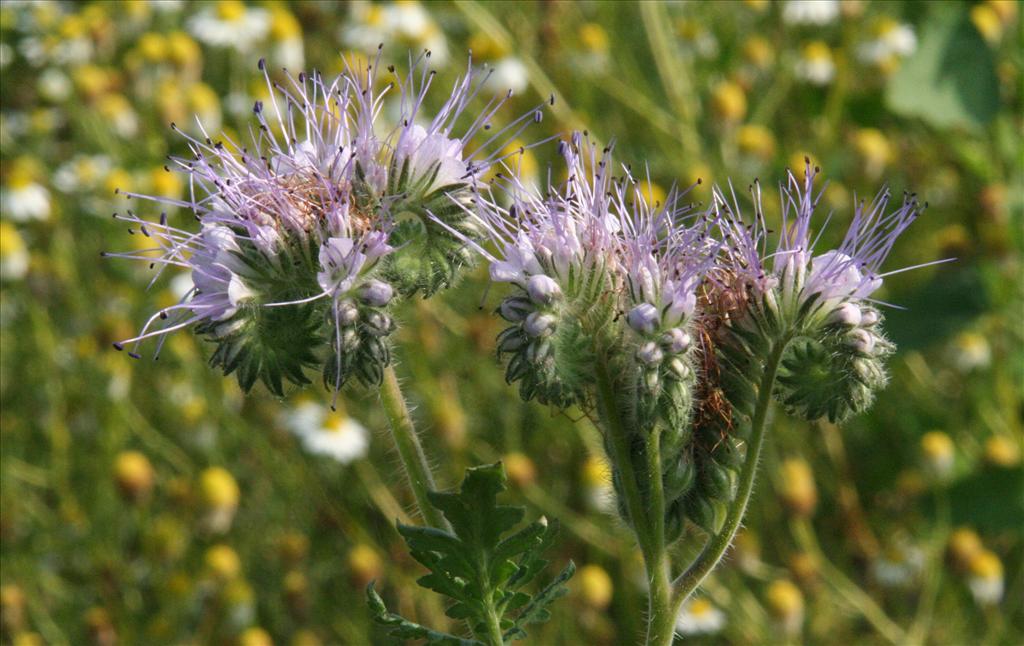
(151,503)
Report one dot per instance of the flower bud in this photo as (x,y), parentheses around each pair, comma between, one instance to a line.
(650,354)
(349,339)
(376,293)
(348,313)
(644,318)
(678,369)
(847,314)
(380,323)
(515,309)
(676,341)
(543,290)
(868,317)
(538,324)
(862,341)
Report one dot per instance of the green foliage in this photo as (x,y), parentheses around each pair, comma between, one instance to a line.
(475,565)
(951,80)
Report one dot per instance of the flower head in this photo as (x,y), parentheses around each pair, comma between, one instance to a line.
(306,234)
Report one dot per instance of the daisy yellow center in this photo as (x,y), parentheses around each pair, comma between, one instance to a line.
(336,423)
(230,10)
(701,607)
(817,51)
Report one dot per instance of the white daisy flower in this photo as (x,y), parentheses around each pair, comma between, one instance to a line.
(81,173)
(986,578)
(810,12)
(509,73)
(899,566)
(816,65)
(892,40)
(230,23)
(324,432)
(13,254)
(699,617)
(23,200)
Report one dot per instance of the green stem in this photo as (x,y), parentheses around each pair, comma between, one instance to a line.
(647,524)
(690,580)
(494,636)
(410,451)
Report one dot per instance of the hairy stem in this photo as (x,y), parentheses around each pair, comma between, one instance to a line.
(648,523)
(410,451)
(690,580)
(660,619)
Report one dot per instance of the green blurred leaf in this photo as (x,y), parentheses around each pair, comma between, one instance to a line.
(476,568)
(950,81)
(991,500)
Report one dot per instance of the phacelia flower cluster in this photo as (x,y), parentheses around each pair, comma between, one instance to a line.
(306,236)
(817,304)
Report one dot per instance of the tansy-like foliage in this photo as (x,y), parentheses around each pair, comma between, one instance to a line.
(478,565)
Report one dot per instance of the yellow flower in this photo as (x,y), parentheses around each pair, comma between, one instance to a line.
(729,101)
(1002,451)
(964,544)
(986,20)
(165,184)
(364,564)
(652,192)
(230,10)
(798,490)
(118,180)
(874,150)
(284,25)
(520,468)
(222,562)
(153,47)
(133,474)
(756,140)
(92,80)
(485,48)
(786,604)
(593,37)
(202,99)
(798,163)
(219,488)
(937,448)
(255,637)
(596,472)
(595,586)
(182,49)
(758,52)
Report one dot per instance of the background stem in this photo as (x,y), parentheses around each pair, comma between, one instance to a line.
(410,451)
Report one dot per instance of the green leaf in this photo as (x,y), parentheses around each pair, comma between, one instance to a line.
(950,81)
(405,629)
(478,567)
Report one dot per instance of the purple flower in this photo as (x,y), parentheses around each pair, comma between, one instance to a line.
(306,216)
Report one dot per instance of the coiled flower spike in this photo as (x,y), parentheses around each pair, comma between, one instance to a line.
(603,280)
(821,301)
(306,237)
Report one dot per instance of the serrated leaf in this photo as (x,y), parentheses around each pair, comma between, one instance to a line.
(477,569)
(537,610)
(405,629)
